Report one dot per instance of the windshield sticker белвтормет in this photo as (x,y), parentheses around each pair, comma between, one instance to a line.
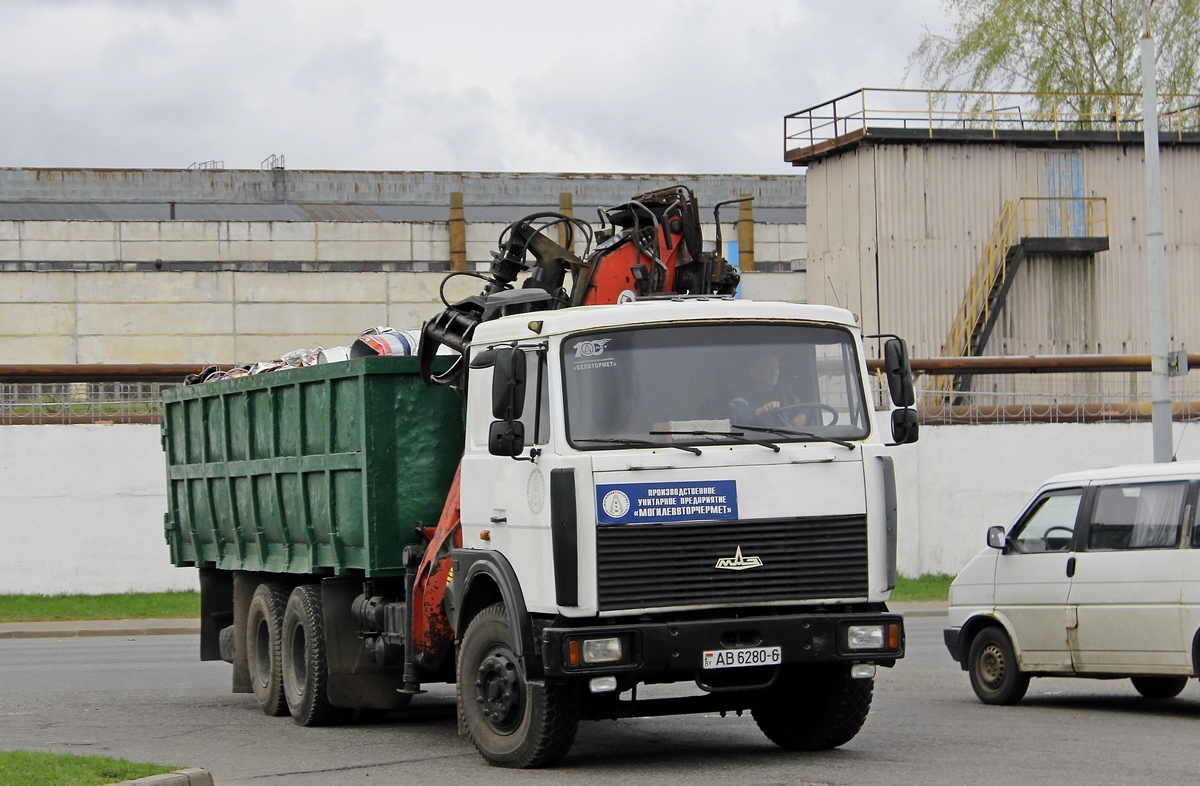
(588,355)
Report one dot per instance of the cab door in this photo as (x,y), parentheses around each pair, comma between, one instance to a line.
(1127,585)
(1033,580)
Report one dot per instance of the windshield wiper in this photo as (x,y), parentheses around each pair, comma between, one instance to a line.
(736,436)
(640,443)
(786,432)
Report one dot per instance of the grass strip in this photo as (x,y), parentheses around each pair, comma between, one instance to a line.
(30,768)
(126,606)
(186,604)
(929,587)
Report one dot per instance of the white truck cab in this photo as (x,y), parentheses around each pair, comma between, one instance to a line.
(1099,576)
(656,504)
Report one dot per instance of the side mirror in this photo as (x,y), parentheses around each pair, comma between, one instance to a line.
(508,384)
(506,438)
(905,428)
(899,373)
(996,538)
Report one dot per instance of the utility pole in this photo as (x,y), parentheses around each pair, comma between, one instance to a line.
(1156,253)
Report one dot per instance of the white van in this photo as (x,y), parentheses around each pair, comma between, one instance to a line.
(1098,577)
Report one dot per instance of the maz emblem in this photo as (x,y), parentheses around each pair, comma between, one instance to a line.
(738,562)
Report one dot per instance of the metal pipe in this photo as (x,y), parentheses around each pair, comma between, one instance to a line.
(100,372)
(1033,364)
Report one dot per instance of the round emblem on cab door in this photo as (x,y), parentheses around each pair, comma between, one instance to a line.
(535,491)
(615,503)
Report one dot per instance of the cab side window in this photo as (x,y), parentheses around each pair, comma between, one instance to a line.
(1051,524)
(536,413)
(1136,516)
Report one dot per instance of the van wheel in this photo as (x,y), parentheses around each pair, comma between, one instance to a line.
(1159,687)
(815,708)
(305,672)
(510,722)
(264,623)
(992,665)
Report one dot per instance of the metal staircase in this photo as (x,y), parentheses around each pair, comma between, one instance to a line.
(1053,225)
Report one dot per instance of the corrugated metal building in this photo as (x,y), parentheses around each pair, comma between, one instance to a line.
(902,209)
(907,205)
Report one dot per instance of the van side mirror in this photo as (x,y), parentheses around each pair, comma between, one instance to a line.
(508,384)
(905,428)
(996,538)
(506,438)
(899,372)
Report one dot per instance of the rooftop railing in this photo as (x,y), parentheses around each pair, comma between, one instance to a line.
(928,113)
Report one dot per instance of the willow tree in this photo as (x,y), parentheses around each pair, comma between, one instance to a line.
(1085,50)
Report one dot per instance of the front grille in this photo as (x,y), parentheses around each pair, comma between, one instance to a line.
(657,565)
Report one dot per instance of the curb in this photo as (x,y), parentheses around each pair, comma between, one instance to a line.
(920,609)
(192,776)
(90,628)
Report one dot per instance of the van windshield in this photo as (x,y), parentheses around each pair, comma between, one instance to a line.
(711,384)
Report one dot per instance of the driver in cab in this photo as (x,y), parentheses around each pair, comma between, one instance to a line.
(767,401)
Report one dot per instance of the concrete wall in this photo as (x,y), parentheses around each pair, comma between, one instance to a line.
(331,187)
(225,317)
(83,505)
(302,245)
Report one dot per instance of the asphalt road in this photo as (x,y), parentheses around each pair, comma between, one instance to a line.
(150,699)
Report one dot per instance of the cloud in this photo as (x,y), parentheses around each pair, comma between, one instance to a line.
(668,86)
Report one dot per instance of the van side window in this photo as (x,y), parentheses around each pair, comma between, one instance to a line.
(1051,525)
(1196,526)
(1137,516)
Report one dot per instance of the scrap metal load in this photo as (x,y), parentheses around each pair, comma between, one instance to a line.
(648,246)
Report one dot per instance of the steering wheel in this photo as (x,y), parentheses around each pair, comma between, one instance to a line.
(788,411)
(1070,532)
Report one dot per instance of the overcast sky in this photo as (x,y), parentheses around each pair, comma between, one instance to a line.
(606,86)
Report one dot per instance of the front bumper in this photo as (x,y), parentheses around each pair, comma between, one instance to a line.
(667,649)
(953,639)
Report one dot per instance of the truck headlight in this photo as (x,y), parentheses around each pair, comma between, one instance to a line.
(864,637)
(595,652)
(602,651)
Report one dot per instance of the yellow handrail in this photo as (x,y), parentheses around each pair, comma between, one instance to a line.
(1026,217)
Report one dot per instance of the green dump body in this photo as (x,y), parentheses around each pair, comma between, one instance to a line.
(326,469)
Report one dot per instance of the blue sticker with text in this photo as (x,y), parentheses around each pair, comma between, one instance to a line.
(656,503)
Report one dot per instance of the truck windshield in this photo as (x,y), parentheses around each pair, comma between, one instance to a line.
(694,383)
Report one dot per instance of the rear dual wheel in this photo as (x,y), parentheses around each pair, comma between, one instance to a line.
(264,626)
(305,673)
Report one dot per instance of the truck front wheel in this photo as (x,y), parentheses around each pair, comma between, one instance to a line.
(814,708)
(264,624)
(305,671)
(511,723)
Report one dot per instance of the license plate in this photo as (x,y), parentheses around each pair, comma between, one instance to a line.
(745,656)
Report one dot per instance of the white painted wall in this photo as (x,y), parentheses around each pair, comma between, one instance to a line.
(81,510)
(81,507)
(959,480)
